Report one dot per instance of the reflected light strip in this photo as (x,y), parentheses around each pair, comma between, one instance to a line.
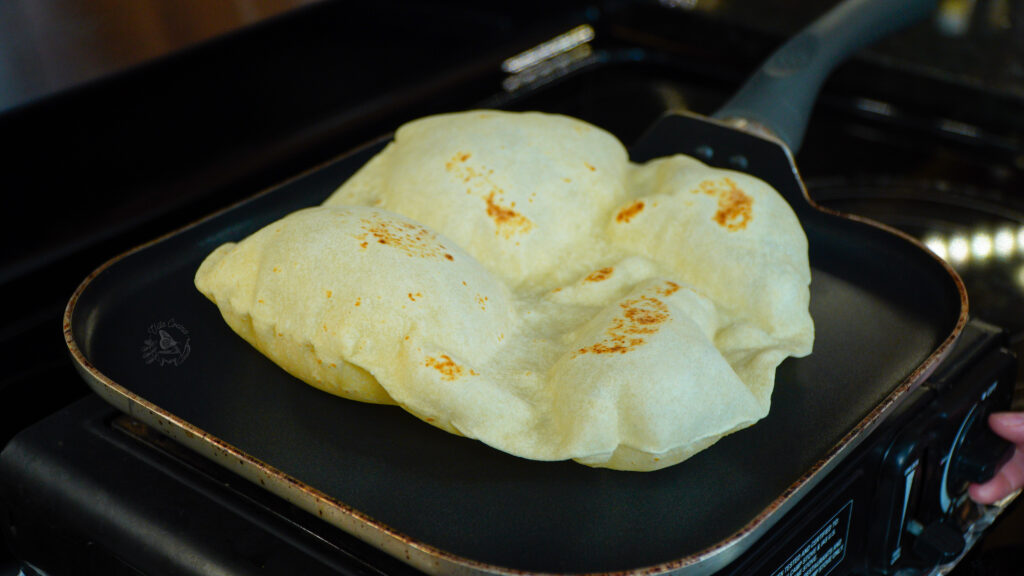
(874,106)
(684,4)
(981,246)
(1005,243)
(959,128)
(558,65)
(938,245)
(959,249)
(558,45)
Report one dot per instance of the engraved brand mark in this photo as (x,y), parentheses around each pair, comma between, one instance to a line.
(167,343)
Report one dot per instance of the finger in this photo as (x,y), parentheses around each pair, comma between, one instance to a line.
(1009,479)
(1009,425)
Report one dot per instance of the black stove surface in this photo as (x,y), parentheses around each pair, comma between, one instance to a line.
(922,132)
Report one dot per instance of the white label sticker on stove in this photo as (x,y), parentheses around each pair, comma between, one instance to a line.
(823,551)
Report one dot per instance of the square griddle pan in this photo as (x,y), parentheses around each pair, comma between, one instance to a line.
(886,312)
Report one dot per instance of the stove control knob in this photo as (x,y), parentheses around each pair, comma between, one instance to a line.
(981,455)
(937,543)
(975,452)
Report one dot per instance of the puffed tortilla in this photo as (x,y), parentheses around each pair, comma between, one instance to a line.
(513,278)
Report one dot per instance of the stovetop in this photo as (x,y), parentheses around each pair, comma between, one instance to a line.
(925,123)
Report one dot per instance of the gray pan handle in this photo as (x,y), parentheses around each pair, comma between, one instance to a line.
(781,94)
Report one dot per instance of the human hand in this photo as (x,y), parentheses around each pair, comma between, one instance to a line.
(1010,477)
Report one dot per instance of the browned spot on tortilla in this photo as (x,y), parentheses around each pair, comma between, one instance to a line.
(411,239)
(506,219)
(479,182)
(363,244)
(325,325)
(413,297)
(590,166)
(472,175)
(642,316)
(449,257)
(668,289)
(329,293)
(482,301)
(459,158)
(627,213)
(276,269)
(599,275)
(735,207)
(446,366)
(359,301)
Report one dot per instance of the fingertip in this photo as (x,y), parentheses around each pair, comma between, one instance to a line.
(1010,419)
(1008,425)
(982,493)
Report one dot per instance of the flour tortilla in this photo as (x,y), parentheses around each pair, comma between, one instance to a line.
(513,278)
(503,183)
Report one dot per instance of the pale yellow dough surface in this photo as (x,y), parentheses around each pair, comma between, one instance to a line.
(513,278)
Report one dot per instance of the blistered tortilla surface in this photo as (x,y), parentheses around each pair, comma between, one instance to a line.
(514,278)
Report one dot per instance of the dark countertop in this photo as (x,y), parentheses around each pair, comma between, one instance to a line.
(48,46)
